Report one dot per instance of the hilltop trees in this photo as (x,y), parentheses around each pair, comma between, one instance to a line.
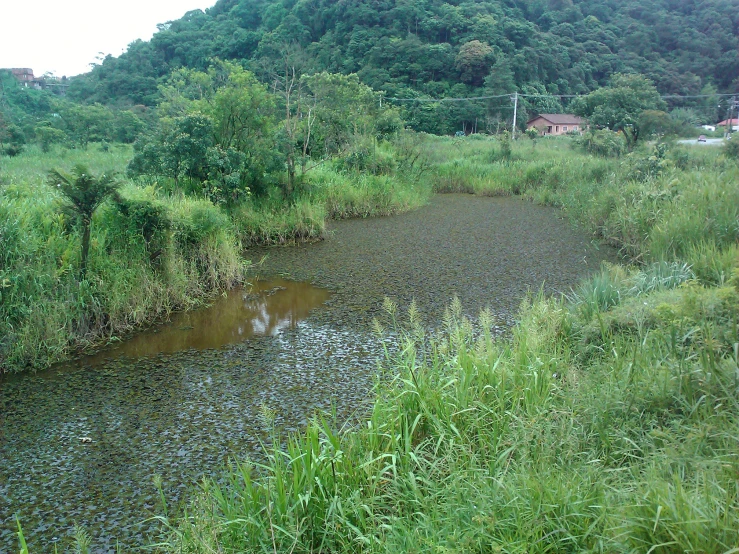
(473,61)
(442,48)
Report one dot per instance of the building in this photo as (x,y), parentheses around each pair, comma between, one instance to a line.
(556,123)
(25,76)
(733,123)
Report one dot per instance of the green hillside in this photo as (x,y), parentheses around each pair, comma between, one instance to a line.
(443,49)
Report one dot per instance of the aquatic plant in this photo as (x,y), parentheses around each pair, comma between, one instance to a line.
(606,423)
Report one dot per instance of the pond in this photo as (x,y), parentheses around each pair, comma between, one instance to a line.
(83,442)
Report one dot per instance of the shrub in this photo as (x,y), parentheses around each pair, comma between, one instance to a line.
(640,167)
(731,149)
(144,219)
(602,142)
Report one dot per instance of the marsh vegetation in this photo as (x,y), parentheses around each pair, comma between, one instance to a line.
(605,421)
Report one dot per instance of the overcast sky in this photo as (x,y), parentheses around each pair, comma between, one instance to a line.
(65,36)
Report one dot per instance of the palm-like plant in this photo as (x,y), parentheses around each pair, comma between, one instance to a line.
(83,193)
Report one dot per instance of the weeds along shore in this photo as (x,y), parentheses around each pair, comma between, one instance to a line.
(154,250)
(164,250)
(606,423)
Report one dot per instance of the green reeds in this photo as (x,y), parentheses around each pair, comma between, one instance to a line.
(607,422)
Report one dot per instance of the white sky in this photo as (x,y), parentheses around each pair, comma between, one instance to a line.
(65,36)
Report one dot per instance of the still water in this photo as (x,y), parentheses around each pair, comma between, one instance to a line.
(82,442)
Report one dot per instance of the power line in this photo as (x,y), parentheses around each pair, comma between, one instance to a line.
(511,95)
(449,99)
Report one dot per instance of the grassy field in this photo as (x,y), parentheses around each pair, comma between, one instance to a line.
(607,423)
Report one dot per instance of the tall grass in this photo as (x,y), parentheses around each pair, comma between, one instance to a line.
(326,193)
(608,422)
(480,445)
(47,314)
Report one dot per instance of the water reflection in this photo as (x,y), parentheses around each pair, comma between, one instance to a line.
(261,309)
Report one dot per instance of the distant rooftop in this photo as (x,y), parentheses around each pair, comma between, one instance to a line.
(560,118)
(27,79)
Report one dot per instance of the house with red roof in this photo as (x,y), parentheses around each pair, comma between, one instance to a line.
(556,124)
(734,123)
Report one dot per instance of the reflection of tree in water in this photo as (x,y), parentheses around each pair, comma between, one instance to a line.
(264,309)
(280,307)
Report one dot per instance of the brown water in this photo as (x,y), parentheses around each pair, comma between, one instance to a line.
(182,399)
(261,308)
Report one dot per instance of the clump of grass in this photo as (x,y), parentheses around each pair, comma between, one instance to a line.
(659,276)
(599,292)
(501,445)
(133,277)
(301,221)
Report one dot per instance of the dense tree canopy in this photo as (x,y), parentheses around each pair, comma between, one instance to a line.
(410,48)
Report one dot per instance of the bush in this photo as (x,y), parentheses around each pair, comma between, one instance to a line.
(731,149)
(147,220)
(641,167)
(602,142)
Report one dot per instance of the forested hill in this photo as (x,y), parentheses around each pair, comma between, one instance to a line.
(437,48)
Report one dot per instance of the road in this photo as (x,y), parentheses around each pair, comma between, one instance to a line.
(709,142)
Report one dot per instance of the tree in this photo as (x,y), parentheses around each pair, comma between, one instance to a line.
(345,110)
(216,129)
(83,193)
(48,135)
(127,126)
(619,106)
(288,83)
(655,123)
(473,61)
(85,124)
(12,139)
(685,119)
(500,83)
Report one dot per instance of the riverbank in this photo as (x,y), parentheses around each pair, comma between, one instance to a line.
(608,422)
(179,403)
(151,254)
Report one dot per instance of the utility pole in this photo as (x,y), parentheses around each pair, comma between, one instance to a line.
(732,105)
(515,113)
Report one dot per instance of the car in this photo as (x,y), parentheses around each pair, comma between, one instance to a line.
(702,138)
